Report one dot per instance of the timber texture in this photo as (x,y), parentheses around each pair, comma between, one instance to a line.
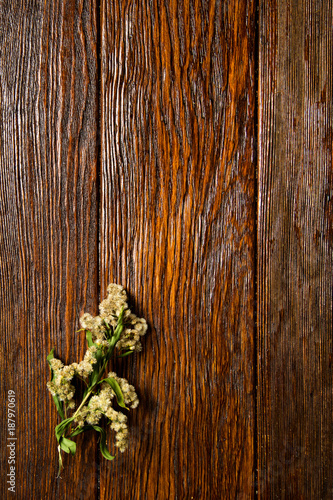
(183,149)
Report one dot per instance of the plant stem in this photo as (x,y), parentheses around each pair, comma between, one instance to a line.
(113,342)
(91,388)
(84,400)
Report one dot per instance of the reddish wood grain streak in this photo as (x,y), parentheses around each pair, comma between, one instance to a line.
(169,211)
(48,263)
(177,230)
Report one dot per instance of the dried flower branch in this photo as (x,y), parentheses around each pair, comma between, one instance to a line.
(118,328)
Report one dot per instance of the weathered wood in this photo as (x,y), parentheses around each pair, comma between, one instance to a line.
(49,239)
(178,230)
(295,250)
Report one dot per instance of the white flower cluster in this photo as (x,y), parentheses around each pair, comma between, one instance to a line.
(60,386)
(109,310)
(95,325)
(85,367)
(119,425)
(101,404)
(115,327)
(134,329)
(130,397)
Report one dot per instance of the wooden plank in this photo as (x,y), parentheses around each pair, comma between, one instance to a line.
(49,240)
(178,231)
(295,250)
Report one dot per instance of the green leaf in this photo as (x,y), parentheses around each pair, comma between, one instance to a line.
(124,354)
(50,356)
(99,355)
(116,389)
(60,462)
(63,446)
(60,429)
(89,338)
(93,378)
(109,330)
(67,445)
(118,330)
(102,443)
(81,429)
(57,402)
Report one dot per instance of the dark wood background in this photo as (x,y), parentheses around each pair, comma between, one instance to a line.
(182,148)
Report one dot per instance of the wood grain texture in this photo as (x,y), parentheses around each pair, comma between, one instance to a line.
(175,214)
(178,231)
(295,250)
(49,239)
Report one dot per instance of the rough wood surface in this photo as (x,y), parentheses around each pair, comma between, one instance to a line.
(48,212)
(295,250)
(178,230)
(173,218)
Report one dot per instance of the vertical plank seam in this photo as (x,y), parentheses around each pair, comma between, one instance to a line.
(98,11)
(255,249)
